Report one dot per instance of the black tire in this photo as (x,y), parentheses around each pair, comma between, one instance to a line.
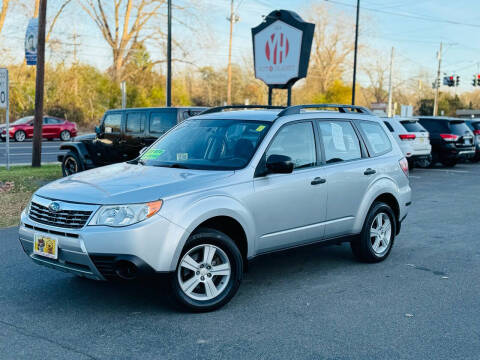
(65,135)
(362,247)
(434,160)
(449,162)
(207,236)
(411,163)
(20,136)
(475,159)
(71,164)
(49,139)
(4,139)
(424,162)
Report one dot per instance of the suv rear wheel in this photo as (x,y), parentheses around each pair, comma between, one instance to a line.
(209,271)
(376,239)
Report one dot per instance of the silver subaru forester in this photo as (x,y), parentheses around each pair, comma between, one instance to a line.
(220,189)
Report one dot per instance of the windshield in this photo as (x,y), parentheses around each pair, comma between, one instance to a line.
(459,127)
(207,144)
(23,120)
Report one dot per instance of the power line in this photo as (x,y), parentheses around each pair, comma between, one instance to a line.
(407,15)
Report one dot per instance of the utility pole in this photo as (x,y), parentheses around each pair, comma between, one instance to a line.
(437,81)
(37,123)
(390,86)
(169,56)
(355,54)
(231,19)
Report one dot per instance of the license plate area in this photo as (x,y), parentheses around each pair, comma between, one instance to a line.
(45,245)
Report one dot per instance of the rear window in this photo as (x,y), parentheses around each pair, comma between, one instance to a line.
(458,127)
(413,126)
(476,125)
(434,126)
(377,139)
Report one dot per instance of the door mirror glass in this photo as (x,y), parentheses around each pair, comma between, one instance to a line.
(279,164)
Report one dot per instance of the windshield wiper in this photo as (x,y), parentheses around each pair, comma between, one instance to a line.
(174,165)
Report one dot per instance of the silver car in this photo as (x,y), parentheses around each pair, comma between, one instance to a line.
(220,189)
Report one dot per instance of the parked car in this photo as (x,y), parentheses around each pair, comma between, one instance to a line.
(52,128)
(223,188)
(120,136)
(412,138)
(451,139)
(474,125)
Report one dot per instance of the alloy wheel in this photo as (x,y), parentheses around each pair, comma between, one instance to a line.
(19,136)
(65,135)
(204,272)
(381,233)
(70,165)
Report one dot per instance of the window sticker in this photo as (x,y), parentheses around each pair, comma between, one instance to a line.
(182,156)
(337,136)
(153,154)
(260,128)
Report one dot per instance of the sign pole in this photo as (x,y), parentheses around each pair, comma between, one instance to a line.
(270,90)
(169,56)
(289,95)
(355,55)
(5,103)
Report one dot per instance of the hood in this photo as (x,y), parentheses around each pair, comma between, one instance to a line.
(127,183)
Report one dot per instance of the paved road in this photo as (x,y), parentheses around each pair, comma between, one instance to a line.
(311,303)
(21,153)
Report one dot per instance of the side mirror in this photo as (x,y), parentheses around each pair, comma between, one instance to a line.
(279,164)
(142,150)
(98,130)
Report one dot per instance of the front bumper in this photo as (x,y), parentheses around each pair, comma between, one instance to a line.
(96,252)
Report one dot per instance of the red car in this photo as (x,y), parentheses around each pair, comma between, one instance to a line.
(53,128)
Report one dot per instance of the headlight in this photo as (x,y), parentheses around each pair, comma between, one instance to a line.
(123,215)
(29,205)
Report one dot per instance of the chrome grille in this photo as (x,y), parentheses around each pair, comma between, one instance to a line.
(73,219)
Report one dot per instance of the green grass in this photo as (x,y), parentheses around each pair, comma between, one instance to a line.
(17,186)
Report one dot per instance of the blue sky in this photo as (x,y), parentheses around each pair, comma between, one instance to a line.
(416,41)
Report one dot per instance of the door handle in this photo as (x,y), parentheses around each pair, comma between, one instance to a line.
(369,171)
(318,180)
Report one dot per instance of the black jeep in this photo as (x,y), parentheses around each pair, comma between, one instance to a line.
(120,136)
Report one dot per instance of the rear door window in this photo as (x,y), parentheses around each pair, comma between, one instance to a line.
(340,142)
(376,138)
(112,123)
(413,126)
(135,122)
(161,122)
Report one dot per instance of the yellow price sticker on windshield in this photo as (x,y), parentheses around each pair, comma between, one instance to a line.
(260,128)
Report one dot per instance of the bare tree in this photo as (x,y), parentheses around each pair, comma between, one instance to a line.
(123,25)
(332,46)
(3,13)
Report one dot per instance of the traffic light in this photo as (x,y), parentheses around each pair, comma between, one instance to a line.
(457,80)
(476,80)
(445,80)
(451,81)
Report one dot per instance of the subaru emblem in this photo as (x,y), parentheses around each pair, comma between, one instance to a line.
(54,206)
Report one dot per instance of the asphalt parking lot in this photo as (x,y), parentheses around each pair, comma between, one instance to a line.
(311,303)
(21,153)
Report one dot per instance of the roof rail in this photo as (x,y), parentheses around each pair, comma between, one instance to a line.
(292,110)
(221,108)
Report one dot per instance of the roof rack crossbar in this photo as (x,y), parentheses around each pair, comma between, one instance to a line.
(221,108)
(296,109)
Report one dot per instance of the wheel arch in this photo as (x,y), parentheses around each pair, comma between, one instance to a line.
(79,148)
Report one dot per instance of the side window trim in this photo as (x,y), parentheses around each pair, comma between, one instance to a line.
(261,163)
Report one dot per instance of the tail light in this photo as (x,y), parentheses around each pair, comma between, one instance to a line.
(476,132)
(449,137)
(404,165)
(407,136)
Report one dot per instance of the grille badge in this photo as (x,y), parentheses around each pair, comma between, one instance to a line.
(54,206)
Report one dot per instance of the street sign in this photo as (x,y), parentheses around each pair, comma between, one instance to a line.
(4,104)
(31,42)
(3,88)
(281,48)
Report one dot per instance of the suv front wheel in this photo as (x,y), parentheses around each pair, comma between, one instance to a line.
(209,271)
(376,239)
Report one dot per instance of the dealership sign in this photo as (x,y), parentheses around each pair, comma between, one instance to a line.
(281,47)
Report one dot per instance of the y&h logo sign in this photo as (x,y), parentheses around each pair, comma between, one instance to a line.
(277,53)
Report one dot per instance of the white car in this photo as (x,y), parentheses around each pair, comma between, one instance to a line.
(412,138)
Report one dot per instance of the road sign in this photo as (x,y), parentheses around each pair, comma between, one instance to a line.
(4,104)
(31,42)
(3,88)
